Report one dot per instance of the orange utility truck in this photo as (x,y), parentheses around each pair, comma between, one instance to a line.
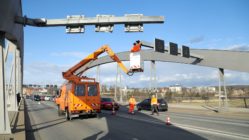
(81,95)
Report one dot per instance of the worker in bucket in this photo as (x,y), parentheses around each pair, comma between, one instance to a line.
(132,103)
(154,105)
(136,46)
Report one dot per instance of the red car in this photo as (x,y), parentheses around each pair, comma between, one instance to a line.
(107,103)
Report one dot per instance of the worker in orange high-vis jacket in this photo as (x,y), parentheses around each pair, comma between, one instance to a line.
(132,103)
(154,105)
(136,47)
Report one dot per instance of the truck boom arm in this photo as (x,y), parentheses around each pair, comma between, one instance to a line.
(69,74)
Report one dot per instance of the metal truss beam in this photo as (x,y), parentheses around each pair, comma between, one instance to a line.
(4,121)
(231,60)
(99,19)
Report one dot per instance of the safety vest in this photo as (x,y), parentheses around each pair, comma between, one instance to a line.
(153,101)
(136,48)
(132,101)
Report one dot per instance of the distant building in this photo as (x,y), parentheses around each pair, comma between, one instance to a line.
(163,89)
(34,90)
(204,89)
(238,92)
(176,88)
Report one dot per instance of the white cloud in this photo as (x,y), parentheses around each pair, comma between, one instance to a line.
(43,73)
(197,39)
(239,47)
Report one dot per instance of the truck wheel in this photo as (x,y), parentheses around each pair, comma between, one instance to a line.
(68,116)
(59,111)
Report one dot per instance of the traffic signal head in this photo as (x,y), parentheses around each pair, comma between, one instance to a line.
(159,45)
(173,48)
(185,51)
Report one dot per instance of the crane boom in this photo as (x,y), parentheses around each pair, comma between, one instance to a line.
(69,74)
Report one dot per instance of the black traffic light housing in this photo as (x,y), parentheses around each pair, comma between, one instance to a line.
(185,51)
(159,45)
(173,48)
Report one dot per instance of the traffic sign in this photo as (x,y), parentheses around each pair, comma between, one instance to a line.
(159,45)
(173,48)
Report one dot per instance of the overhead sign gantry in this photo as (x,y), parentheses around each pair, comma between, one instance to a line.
(12,22)
(103,23)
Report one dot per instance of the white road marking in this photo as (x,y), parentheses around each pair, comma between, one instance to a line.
(203,119)
(212,131)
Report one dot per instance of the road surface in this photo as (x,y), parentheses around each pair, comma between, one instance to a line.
(43,123)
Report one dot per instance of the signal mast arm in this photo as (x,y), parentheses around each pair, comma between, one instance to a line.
(69,74)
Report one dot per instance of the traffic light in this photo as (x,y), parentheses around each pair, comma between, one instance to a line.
(173,48)
(159,45)
(185,51)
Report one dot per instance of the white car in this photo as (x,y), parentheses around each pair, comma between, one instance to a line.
(47,98)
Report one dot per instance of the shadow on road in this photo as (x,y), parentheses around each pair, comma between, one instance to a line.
(31,128)
(121,126)
(28,125)
(140,127)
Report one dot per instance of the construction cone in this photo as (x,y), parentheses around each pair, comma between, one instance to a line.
(168,121)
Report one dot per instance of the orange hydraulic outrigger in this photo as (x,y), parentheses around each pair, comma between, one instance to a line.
(69,75)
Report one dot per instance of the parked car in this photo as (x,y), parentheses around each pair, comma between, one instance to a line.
(52,98)
(42,98)
(47,98)
(37,98)
(27,97)
(107,103)
(145,105)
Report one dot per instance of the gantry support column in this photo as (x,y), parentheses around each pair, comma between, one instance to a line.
(223,104)
(98,78)
(116,84)
(153,79)
(4,117)
(120,86)
(19,72)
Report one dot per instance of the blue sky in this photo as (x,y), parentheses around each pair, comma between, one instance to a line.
(208,24)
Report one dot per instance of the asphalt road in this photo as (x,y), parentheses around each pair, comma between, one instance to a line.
(43,123)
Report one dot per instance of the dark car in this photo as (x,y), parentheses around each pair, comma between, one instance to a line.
(37,98)
(27,97)
(145,105)
(107,103)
